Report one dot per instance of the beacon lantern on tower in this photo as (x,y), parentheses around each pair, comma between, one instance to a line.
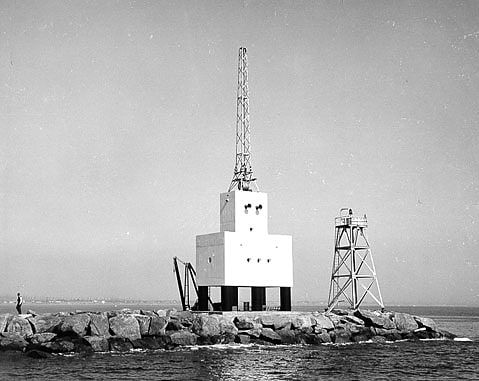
(243,253)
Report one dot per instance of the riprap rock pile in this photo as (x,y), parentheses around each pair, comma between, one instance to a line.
(40,334)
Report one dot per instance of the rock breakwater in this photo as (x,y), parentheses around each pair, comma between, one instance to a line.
(41,334)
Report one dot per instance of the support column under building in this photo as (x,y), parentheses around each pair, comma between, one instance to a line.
(229,298)
(258,298)
(203,298)
(285,298)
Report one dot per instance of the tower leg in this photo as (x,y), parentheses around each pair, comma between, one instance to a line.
(258,298)
(229,297)
(203,298)
(285,298)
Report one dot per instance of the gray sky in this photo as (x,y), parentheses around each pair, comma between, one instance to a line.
(117,135)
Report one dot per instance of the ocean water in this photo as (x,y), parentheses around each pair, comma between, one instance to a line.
(424,360)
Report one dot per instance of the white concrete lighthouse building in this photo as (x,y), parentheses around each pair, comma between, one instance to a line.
(243,253)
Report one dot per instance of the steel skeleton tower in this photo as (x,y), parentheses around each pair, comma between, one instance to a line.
(353,275)
(243,174)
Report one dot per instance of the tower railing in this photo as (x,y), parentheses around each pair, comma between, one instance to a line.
(346,218)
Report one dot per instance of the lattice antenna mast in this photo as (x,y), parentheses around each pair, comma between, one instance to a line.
(243,174)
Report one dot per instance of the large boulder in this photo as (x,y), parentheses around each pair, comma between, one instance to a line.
(302,322)
(183,338)
(75,325)
(274,321)
(185,318)
(266,320)
(110,314)
(227,327)
(378,339)
(423,333)
(324,337)
(59,346)
(157,326)
(309,338)
(243,338)
(99,325)
(41,338)
(362,333)
(281,321)
(375,319)
(174,325)
(267,334)
(144,323)
(148,342)
(342,335)
(335,319)
(388,334)
(351,319)
(447,334)
(206,326)
(227,330)
(404,322)
(98,343)
(20,325)
(125,326)
(165,341)
(323,321)
(4,319)
(427,323)
(12,342)
(45,323)
(119,344)
(243,323)
(253,333)
(355,329)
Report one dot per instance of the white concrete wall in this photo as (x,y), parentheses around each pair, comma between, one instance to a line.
(242,211)
(243,254)
(244,260)
(257,260)
(210,259)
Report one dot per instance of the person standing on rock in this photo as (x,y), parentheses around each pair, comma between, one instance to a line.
(19,303)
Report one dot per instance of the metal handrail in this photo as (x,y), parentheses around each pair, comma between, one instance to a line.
(349,219)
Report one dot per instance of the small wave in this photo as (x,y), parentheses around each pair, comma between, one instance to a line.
(438,339)
(225,346)
(238,346)
(138,350)
(66,354)
(462,339)
(340,344)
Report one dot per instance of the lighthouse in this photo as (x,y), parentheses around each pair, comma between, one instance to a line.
(243,253)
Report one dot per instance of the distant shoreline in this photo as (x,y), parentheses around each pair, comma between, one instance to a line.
(89,306)
(301,304)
